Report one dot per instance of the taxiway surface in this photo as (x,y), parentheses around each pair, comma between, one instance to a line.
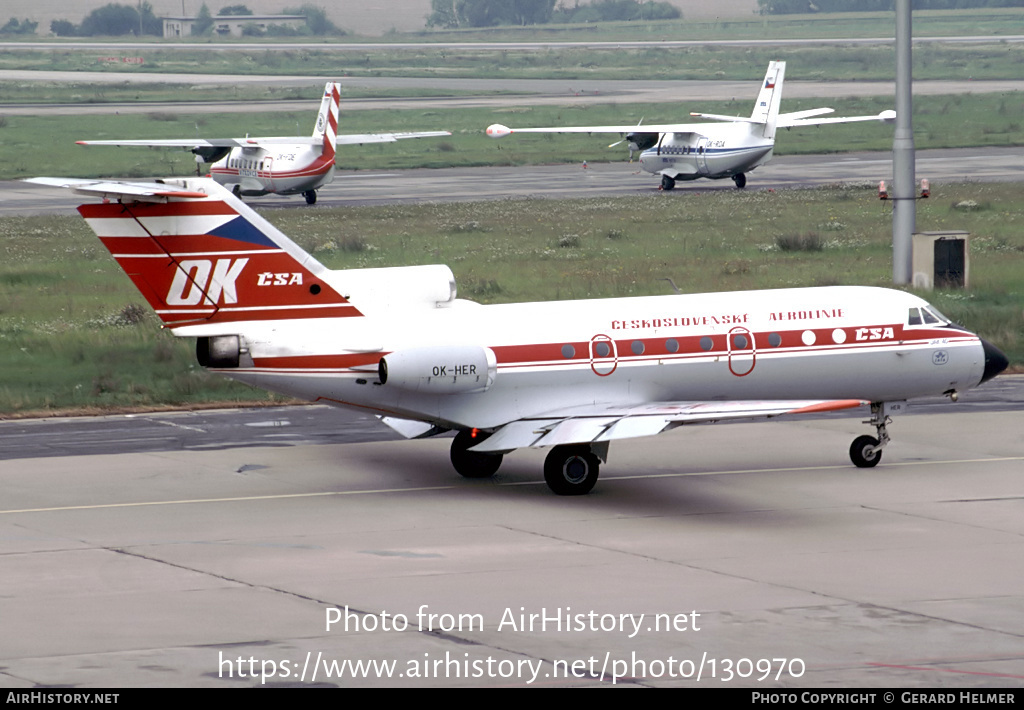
(618,179)
(698,549)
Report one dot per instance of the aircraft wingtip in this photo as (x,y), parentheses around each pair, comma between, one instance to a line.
(496,130)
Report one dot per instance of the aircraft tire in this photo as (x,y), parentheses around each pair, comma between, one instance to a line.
(471,464)
(310,196)
(571,470)
(859,452)
(667,183)
(740,179)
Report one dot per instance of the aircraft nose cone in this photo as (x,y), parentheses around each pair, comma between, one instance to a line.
(995,361)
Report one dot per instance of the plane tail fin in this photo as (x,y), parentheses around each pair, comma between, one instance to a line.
(326,128)
(766,110)
(200,256)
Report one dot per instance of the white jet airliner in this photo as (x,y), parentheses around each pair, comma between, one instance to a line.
(688,151)
(287,165)
(571,375)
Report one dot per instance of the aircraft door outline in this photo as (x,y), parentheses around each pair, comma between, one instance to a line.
(702,155)
(742,351)
(604,355)
(268,171)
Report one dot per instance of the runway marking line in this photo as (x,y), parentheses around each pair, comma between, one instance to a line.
(375,491)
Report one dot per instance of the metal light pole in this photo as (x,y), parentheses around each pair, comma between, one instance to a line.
(904,181)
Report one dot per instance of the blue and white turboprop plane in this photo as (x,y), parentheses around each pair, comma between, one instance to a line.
(570,375)
(731,149)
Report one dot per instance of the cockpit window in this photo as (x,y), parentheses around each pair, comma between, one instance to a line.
(926,315)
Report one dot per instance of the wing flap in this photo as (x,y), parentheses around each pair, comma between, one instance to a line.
(520,434)
(572,431)
(606,424)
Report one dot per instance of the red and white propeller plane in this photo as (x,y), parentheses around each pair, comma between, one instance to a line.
(286,166)
(688,151)
(571,375)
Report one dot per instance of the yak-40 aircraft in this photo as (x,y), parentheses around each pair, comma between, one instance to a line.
(288,165)
(570,375)
(688,151)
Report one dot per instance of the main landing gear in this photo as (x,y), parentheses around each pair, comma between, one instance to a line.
(740,179)
(310,196)
(471,464)
(667,183)
(570,470)
(866,451)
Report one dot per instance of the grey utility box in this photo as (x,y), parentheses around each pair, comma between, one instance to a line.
(941,260)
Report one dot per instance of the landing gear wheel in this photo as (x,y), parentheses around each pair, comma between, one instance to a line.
(740,179)
(310,196)
(864,452)
(571,470)
(667,183)
(471,464)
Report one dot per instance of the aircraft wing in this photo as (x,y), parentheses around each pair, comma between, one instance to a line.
(210,142)
(600,424)
(497,130)
(360,138)
(806,118)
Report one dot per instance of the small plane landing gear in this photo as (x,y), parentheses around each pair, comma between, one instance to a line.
(571,470)
(310,196)
(667,183)
(471,464)
(740,179)
(866,451)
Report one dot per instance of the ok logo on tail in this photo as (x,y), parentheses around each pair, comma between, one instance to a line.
(196,278)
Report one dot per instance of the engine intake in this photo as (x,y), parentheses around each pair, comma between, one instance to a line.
(219,351)
(440,370)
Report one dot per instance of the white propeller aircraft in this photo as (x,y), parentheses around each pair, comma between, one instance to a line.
(688,151)
(571,375)
(286,166)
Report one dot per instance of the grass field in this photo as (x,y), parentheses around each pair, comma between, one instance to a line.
(76,334)
(995,59)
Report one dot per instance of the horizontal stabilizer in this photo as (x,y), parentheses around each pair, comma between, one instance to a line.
(730,119)
(154,191)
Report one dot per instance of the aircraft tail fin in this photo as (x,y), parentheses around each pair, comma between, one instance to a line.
(326,128)
(201,256)
(766,110)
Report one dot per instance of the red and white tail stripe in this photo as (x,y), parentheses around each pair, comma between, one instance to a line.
(213,260)
(327,120)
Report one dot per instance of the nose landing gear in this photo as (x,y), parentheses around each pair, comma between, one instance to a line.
(866,451)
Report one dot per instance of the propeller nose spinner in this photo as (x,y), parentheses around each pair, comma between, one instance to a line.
(995,361)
